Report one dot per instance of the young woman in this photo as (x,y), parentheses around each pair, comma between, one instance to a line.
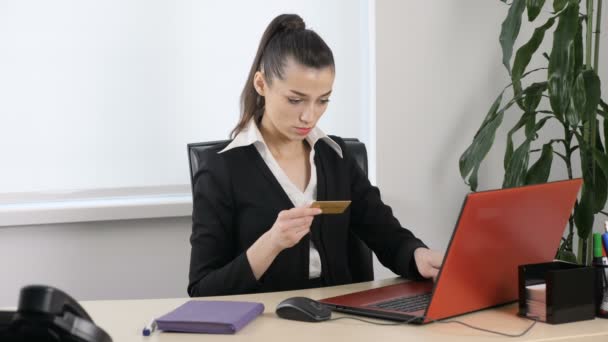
(253,228)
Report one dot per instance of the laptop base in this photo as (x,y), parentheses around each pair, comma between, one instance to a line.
(398,317)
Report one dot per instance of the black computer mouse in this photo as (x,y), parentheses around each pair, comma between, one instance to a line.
(303,309)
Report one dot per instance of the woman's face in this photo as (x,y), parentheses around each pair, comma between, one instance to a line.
(294,104)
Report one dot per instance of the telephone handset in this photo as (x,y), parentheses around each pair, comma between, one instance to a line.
(49,314)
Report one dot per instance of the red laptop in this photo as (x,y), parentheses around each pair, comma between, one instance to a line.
(496,232)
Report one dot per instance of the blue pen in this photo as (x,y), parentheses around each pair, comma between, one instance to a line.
(605,238)
(149,328)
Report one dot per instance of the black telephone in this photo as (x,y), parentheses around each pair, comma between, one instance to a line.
(47,314)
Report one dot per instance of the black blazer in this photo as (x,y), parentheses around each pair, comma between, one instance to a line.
(237,198)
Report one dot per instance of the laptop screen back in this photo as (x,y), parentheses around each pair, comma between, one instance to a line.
(497,231)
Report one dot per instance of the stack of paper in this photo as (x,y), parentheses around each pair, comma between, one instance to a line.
(536,302)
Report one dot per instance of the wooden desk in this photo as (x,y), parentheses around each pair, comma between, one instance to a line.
(124,319)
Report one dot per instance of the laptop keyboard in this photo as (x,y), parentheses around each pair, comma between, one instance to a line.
(405,304)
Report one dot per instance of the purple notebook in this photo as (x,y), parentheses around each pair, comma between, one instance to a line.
(213,317)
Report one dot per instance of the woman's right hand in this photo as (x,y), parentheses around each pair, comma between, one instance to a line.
(291,226)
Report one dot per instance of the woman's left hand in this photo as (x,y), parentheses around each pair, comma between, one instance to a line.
(428,262)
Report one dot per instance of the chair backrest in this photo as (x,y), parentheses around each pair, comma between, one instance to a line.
(359,255)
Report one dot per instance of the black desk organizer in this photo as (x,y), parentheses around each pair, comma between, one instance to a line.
(601,286)
(570,290)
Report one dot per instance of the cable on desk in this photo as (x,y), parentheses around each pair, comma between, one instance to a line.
(445,322)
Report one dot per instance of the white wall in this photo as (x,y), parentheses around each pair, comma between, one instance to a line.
(438,71)
(98,260)
(106,94)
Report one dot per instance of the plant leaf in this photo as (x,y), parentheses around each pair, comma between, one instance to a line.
(586,85)
(585,99)
(482,142)
(604,105)
(597,183)
(533,95)
(510,31)
(559,5)
(540,170)
(600,181)
(525,52)
(531,98)
(605,137)
(533,135)
(578,47)
(583,213)
(578,101)
(567,256)
(510,147)
(473,178)
(491,113)
(593,97)
(515,175)
(542,122)
(534,7)
(593,89)
(601,159)
(561,63)
(530,130)
(600,192)
(527,117)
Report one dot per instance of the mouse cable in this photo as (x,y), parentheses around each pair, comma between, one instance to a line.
(445,322)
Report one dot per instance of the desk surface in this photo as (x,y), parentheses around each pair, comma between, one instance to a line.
(124,319)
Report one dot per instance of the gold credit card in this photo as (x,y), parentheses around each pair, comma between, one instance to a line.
(331,207)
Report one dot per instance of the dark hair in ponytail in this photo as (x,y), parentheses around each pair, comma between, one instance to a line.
(286,36)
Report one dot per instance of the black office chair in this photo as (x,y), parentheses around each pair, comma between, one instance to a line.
(360,256)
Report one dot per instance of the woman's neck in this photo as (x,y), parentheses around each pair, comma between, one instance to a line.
(280,146)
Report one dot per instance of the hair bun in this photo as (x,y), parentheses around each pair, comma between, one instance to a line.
(293,22)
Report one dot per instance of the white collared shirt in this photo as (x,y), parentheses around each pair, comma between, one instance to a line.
(252,135)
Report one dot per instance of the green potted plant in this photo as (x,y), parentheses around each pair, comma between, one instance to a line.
(570,95)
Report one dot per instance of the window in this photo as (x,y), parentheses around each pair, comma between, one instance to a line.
(99,99)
